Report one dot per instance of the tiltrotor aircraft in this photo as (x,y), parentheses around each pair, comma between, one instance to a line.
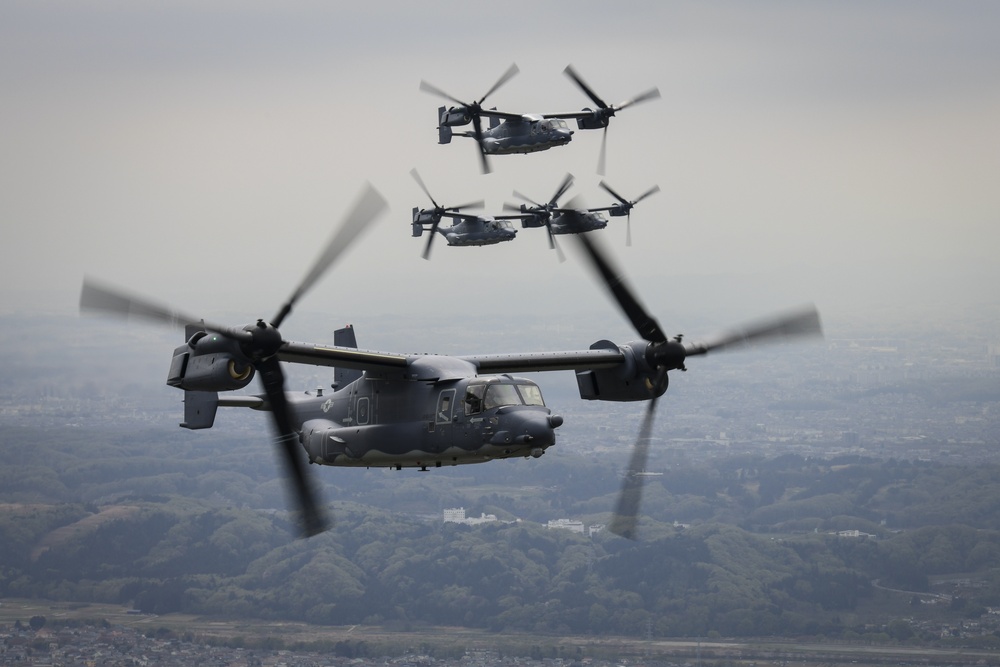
(468,229)
(419,410)
(560,220)
(529,132)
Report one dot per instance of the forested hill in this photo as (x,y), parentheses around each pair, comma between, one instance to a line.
(739,546)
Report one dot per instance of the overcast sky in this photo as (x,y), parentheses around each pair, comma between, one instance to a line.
(844,153)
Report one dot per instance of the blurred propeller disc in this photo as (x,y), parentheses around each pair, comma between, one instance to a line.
(260,343)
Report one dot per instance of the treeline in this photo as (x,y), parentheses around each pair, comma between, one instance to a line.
(173,523)
(385,568)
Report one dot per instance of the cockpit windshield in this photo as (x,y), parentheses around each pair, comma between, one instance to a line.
(481,396)
(498,395)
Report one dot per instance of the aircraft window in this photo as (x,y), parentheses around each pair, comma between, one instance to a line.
(500,394)
(444,407)
(474,398)
(531,394)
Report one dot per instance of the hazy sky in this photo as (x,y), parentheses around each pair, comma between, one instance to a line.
(846,153)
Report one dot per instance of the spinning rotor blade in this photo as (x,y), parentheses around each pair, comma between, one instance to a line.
(651,94)
(110,301)
(434,90)
(273,381)
(547,208)
(627,205)
(430,239)
(603,156)
(416,176)
(667,355)
(571,73)
(555,245)
(473,107)
(367,207)
(802,323)
(484,162)
(260,343)
(652,191)
(260,348)
(472,204)
(614,281)
(625,521)
(606,110)
(437,207)
(561,190)
(504,78)
(530,201)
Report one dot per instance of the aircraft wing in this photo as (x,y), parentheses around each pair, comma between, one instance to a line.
(437,367)
(455,215)
(344,357)
(569,114)
(458,215)
(493,113)
(533,362)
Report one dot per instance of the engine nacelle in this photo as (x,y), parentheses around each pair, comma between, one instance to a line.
(533,222)
(454,116)
(634,380)
(595,121)
(209,362)
(423,217)
(618,211)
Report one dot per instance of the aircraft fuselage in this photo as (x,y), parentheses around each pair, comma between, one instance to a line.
(375,422)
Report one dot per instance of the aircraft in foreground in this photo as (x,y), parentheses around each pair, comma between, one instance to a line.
(421,411)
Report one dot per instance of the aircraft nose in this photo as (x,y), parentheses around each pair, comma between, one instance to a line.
(537,428)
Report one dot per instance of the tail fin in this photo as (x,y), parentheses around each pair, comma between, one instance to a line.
(418,228)
(494,121)
(199,409)
(444,131)
(345,376)
(199,406)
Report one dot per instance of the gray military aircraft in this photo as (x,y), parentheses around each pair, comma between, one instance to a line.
(560,220)
(525,133)
(419,410)
(624,207)
(468,229)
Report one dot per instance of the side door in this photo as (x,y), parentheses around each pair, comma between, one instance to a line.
(442,427)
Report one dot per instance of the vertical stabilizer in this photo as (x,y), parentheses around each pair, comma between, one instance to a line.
(444,131)
(345,376)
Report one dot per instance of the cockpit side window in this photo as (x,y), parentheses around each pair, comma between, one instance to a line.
(498,395)
(474,398)
(531,394)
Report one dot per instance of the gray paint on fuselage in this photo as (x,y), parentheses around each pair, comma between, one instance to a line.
(528,134)
(404,424)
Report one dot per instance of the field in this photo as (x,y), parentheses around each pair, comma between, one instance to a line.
(453,641)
